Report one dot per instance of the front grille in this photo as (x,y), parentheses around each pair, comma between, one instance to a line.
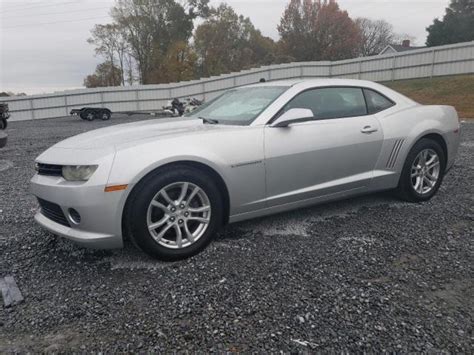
(49,169)
(53,212)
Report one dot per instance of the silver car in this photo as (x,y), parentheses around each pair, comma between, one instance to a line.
(169,185)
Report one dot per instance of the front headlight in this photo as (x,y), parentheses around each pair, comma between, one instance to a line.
(78,172)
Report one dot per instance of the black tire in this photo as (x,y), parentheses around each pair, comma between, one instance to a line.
(405,189)
(90,115)
(135,215)
(82,115)
(104,115)
(3,123)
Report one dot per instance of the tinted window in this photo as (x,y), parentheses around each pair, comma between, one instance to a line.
(376,102)
(331,102)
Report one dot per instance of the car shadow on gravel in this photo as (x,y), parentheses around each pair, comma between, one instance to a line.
(287,224)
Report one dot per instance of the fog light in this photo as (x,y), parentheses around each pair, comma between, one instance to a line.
(74,216)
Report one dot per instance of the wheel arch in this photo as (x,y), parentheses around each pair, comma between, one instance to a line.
(438,138)
(435,136)
(217,178)
(402,184)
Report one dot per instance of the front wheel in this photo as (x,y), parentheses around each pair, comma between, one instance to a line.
(175,213)
(423,171)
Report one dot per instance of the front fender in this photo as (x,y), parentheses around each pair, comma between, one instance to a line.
(236,155)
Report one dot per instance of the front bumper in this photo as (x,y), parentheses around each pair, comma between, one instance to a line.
(101,213)
(83,238)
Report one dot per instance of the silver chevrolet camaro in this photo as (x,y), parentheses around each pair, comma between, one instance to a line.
(169,184)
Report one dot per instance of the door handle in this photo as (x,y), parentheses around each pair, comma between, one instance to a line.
(368,130)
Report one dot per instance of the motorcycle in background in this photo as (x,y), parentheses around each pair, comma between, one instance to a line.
(176,108)
(192,104)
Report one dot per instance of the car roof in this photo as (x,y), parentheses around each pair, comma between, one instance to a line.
(316,82)
(302,84)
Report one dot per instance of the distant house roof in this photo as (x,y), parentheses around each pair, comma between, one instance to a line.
(397,48)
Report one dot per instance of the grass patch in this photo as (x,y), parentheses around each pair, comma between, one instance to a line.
(457,91)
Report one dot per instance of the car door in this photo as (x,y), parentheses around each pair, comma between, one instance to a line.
(334,152)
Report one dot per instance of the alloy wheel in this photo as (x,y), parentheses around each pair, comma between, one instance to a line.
(179,215)
(425,171)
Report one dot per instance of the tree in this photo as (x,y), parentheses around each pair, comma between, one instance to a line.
(179,63)
(152,26)
(318,30)
(110,43)
(457,25)
(106,74)
(375,35)
(228,42)
(130,68)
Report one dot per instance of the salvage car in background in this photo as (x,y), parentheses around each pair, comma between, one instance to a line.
(169,185)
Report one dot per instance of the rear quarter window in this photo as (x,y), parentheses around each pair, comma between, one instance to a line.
(376,102)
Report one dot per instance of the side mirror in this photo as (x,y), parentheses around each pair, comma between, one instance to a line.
(293,115)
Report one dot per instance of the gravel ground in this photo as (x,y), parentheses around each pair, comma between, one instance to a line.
(367,274)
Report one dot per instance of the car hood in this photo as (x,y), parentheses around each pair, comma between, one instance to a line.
(121,135)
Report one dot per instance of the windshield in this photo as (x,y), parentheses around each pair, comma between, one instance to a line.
(239,106)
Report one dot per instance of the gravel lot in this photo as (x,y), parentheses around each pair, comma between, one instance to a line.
(367,274)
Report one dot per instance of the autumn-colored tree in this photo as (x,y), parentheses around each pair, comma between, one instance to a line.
(228,42)
(456,26)
(106,74)
(179,64)
(318,30)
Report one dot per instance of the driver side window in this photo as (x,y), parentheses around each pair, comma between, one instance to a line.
(328,103)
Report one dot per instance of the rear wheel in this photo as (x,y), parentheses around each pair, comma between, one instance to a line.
(174,214)
(105,115)
(423,171)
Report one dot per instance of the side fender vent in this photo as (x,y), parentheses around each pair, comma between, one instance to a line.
(392,159)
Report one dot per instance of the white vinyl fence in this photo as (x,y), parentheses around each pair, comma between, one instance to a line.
(427,62)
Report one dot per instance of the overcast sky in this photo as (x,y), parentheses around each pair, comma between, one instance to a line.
(43,44)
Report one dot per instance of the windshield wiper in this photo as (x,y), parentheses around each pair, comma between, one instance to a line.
(208,120)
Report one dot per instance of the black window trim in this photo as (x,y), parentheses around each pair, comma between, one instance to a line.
(278,114)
